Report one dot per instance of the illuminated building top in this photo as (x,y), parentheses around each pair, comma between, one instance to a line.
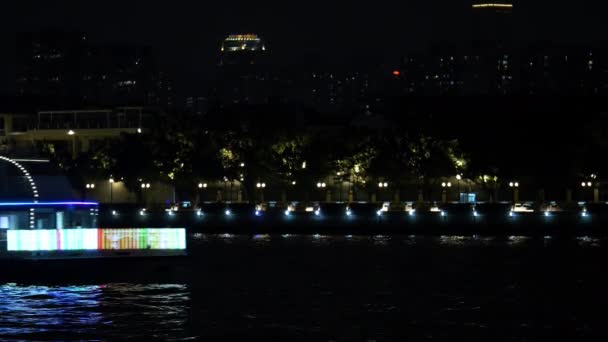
(243,37)
(494,5)
(243,42)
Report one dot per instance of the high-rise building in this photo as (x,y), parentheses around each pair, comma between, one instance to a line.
(64,69)
(242,49)
(243,75)
(48,64)
(492,23)
(538,69)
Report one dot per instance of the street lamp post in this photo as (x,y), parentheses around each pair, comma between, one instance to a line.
(382,185)
(72,134)
(321,185)
(226,189)
(459,178)
(201,186)
(111,182)
(261,187)
(144,188)
(444,194)
(596,190)
(89,186)
(515,187)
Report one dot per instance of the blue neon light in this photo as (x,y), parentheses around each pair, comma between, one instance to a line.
(40,204)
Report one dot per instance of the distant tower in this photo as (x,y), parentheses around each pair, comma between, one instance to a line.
(242,49)
(492,37)
(492,23)
(243,72)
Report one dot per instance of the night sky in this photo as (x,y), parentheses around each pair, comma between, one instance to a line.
(187,33)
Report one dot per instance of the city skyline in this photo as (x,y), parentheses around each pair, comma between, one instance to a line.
(188,37)
(304,170)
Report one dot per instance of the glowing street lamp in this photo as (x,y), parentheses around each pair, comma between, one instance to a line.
(515,186)
(459,178)
(201,186)
(261,187)
(90,186)
(444,195)
(144,186)
(596,190)
(321,186)
(111,182)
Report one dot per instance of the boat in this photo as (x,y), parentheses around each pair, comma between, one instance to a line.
(68,230)
(35,225)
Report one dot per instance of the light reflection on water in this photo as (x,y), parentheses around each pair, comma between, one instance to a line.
(50,308)
(588,241)
(369,287)
(84,312)
(517,240)
(386,240)
(455,240)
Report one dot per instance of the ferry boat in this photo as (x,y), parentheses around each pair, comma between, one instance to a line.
(57,230)
(36,226)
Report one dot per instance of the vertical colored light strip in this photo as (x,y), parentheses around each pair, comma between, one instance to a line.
(59,239)
(91,239)
(99,238)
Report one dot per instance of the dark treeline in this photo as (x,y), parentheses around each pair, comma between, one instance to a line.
(545,143)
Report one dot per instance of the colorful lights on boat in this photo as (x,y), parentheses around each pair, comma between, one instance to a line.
(96,239)
(46,204)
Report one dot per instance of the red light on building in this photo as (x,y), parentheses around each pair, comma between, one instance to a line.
(396,72)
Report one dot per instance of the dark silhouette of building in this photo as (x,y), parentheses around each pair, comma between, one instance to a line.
(492,23)
(242,49)
(243,74)
(64,69)
(539,69)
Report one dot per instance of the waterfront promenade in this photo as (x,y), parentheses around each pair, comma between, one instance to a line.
(355,218)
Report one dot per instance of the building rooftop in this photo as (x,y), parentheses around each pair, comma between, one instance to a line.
(243,42)
(493,5)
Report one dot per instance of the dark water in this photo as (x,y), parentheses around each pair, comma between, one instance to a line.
(335,288)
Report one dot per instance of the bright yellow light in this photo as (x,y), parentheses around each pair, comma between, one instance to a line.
(493,6)
(243,37)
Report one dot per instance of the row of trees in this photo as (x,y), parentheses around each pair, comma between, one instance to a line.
(184,150)
(253,147)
